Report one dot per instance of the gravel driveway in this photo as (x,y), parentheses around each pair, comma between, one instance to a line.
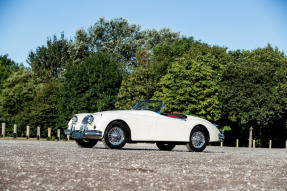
(47,165)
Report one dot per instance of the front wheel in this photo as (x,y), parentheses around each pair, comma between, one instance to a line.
(198,139)
(165,146)
(86,143)
(115,136)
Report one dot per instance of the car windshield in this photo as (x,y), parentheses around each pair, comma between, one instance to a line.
(151,105)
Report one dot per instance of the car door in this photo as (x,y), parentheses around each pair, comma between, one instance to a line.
(170,129)
(142,125)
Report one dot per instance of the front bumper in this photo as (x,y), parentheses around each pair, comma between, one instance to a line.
(87,134)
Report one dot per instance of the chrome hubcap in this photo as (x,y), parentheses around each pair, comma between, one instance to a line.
(116,136)
(198,139)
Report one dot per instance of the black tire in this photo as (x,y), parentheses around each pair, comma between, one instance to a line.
(86,143)
(115,142)
(198,139)
(165,146)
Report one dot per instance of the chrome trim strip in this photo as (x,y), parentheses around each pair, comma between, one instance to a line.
(88,134)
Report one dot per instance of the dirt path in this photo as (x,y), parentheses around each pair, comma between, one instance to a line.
(44,165)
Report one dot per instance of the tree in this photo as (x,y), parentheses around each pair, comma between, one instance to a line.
(254,89)
(80,47)
(190,85)
(44,110)
(122,40)
(116,37)
(27,101)
(152,38)
(139,85)
(48,62)
(7,67)
(142,82)
(17,98)
(89,86)
(8,64)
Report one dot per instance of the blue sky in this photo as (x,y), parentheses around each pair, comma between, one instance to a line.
(242,24)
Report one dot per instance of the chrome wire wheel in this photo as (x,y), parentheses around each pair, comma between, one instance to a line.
(116,136)
(198,139)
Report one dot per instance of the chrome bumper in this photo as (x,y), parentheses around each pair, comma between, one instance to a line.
(88,134)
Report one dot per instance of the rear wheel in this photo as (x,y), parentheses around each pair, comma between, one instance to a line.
(198,139)
(86,143)
(165,146)
(115,136)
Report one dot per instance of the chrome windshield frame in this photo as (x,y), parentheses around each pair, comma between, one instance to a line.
(149,101)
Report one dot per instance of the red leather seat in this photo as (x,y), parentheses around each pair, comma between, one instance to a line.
(173,116)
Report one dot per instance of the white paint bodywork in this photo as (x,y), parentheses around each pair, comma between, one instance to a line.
(150,126)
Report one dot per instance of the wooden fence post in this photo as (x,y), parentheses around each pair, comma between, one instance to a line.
(250,137)
(3,129)
(15,131)
(49,134)
(28,132)
(38,133)
(237,143)
(270,144)
(68,137)
(58,134)
(253,144)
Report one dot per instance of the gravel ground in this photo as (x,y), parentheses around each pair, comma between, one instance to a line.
(45,165)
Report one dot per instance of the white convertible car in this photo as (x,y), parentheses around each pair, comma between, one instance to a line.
(143,123)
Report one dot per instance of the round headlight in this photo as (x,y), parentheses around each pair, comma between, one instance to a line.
(74,119)
(90,119)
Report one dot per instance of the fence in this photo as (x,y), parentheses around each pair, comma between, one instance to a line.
(3,134)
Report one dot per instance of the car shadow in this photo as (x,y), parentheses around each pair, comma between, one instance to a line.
(142,149)
(150,149)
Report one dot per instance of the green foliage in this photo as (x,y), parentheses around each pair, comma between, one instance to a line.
(191,83)
(7,66)
(44,110)
(168,52)
(140,84)
(48,62)
(26,101)
(152,38)
(4,74)
(89,86)
(116,36)
(254,87)
(122,40)
(17,98)
(81,47)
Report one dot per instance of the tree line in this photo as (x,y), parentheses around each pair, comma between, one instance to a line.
(113,64)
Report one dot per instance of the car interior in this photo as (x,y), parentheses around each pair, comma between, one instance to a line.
(178,116)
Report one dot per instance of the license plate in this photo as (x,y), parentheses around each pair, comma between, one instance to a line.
(77,135)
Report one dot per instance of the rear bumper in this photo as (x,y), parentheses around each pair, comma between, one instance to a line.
(88,134)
